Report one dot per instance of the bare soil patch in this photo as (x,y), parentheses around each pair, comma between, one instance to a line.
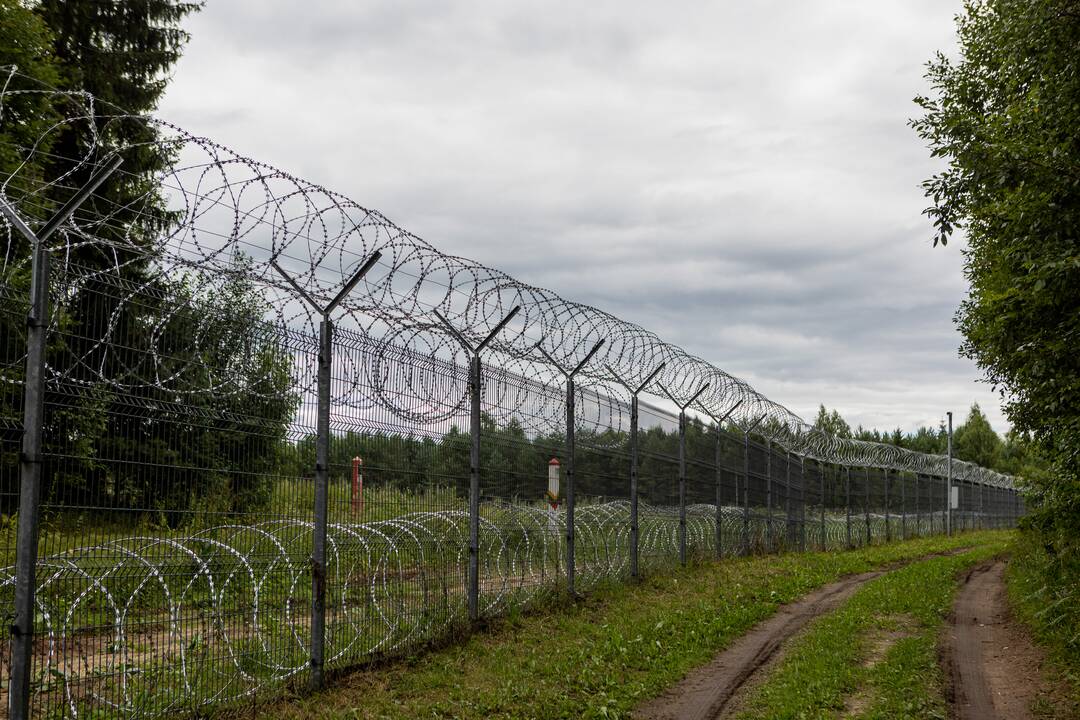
(995,670)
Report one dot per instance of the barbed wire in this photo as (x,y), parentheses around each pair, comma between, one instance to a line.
(232,217)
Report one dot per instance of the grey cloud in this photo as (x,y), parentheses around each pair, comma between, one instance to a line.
(737,177)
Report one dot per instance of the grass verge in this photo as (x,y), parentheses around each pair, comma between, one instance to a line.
(1044,593)
(876,656)
(599,657)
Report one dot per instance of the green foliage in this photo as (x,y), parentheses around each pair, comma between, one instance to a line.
(832,423)
(1044,593)
(975,441)
(1005,116)
(213,439)
(121,53)
(26,43)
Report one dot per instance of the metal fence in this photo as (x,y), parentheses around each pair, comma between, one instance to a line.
(280,436)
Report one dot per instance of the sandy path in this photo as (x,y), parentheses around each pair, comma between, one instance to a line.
(994,668)
(707,691)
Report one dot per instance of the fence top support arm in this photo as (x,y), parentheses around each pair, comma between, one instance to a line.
(555,363)
(356,278)
(645,383)
(325,311)
(64,212)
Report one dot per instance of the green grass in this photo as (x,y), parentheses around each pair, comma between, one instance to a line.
(602,656)
(1044,593)
(875,657)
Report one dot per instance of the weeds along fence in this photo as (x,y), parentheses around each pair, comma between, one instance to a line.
(253,432)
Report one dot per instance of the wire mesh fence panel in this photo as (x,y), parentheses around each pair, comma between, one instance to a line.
(14,306)
(658,488)
(173,543)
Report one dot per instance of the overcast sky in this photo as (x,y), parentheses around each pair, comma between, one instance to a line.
(738,177)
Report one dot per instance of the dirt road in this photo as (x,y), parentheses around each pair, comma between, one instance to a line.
(706,692)
(994,668)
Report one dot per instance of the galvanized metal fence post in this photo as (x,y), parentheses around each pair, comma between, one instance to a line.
(821,472)
(948,482)
(718,460)
(918,507)
(866,506)
(888,497)
(634,419)
(476,390)
(30,456)
(719,496)
(903,506)
(982,508)
(30,477)
(322,479)
(847,502)
(682,487)
(746,495)
(634,487)
(475,422)
(320,512)
(802,502)
(768,495)
(682,466)
(571,451)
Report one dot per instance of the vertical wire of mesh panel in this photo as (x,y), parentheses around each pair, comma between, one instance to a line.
(14,306)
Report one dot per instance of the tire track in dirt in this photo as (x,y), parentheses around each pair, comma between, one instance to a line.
(994,668)
(707,692)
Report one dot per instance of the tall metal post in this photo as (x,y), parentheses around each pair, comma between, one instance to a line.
(475,392)
(768,494)
(682,487)
(948,482)
(634,487)
(802,503)
(719,497)
(918,507)
(634,528)
(821,473)
(571,450)
(789,534)
(719,422)
(682,467)
(746,495)
(322,461)
(322,478)
(30,456)
(847,493)
(982,508)
(866,507)
(30,475)
(888,497)
(903,506)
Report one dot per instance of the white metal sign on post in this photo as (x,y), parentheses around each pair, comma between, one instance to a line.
(954,498)
(553,494)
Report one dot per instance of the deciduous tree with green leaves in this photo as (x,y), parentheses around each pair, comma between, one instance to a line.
(1004,115)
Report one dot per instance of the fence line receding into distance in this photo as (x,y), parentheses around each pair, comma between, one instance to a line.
(253,431)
